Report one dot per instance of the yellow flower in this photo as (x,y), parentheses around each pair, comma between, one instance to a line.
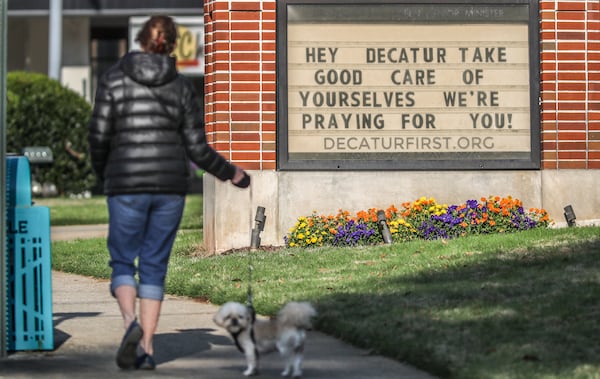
(300,236)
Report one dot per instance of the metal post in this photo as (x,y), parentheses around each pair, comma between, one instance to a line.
(384,229)
(55,39)
(259,227)
(3,245)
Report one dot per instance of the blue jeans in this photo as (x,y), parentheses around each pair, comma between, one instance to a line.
(142,227)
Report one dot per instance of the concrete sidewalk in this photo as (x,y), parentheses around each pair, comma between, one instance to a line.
(65,233)
(88,330)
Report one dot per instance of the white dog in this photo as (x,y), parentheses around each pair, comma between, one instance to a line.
(285,333)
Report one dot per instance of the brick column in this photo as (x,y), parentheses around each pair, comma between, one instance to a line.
(570,84)
(240,81)
(240,115)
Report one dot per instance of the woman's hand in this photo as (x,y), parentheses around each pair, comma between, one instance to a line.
(240,178)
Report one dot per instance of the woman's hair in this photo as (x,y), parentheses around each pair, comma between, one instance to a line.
(158,35)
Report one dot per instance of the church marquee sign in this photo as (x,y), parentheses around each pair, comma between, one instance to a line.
(399,85)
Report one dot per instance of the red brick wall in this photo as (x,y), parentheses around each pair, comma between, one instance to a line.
(570,84)
(240,82)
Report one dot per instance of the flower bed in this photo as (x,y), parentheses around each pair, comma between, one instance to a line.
(422,219)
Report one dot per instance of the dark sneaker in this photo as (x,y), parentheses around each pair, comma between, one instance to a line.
(127,353)
(145,362)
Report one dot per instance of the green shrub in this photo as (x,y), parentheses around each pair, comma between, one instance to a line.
(41,112)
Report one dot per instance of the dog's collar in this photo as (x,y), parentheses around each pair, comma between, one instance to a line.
(236,339)
(237,342)
(236,335)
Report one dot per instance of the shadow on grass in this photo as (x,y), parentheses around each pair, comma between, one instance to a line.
(529,313)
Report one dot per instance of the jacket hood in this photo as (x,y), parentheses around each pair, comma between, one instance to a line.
(149,69)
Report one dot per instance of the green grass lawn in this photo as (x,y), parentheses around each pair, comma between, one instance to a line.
(65,211)
(520,305)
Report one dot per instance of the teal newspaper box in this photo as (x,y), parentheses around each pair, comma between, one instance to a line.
(29,263)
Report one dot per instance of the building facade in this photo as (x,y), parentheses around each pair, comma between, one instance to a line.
(94,35)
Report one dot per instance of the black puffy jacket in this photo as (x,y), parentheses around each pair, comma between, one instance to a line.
(146,126)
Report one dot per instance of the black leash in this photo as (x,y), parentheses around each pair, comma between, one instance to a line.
(249,303)
(252,312)
(255,242)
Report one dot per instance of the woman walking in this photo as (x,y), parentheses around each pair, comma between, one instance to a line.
(145,128)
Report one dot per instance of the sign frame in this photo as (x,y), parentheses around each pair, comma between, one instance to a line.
(527,160)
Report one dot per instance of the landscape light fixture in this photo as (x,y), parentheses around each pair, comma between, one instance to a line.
(570,215)
(384,229)
(258,227)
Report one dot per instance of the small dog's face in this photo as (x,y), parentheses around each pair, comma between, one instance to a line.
(234,317)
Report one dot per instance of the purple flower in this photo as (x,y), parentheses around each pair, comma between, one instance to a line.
(354,233)
(472,204)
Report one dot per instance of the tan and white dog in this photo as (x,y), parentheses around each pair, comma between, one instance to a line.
(285,333)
